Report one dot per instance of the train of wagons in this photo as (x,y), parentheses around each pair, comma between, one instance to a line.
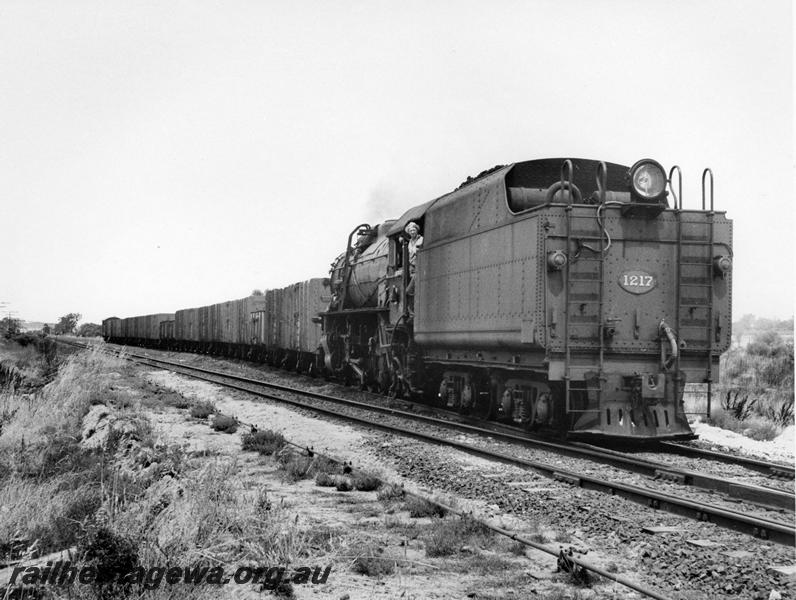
(561,295)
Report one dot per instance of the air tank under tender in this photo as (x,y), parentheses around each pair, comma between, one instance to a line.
(358,285)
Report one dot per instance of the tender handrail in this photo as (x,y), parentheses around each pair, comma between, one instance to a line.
(602,180)
(707,171)
(567,165)
(678,197)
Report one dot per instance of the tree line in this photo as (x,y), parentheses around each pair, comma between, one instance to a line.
(66,325)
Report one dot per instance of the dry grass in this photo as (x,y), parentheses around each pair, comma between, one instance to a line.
(33,359)
(447,536)
(756,427)
(420,507)
(224,424)
(202,410)
(755,396)
(365,483)
(324,479)
(84,379)
(296,467)
(391,493)
(177,509)
(50,484)
(265,442)
(373,562)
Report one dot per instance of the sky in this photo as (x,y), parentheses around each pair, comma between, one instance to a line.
(163,155)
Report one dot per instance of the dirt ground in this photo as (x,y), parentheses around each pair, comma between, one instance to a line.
(358,522)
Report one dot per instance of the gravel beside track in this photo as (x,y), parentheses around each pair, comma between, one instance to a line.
(691,560)
(563,463)
(606,530)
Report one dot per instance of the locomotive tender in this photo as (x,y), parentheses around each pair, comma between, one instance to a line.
(560,294)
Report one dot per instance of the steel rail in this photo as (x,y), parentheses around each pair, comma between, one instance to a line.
(769,468)
(763,496)
(766,497)
(561,554)
(751,493)
(756,526)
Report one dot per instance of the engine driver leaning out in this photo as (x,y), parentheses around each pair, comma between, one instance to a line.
(412,229)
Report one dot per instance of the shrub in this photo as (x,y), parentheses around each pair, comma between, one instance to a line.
(263,503)
(366,483)
(780,409)
(390,493)
(109,553)
(321,464)
(758,382)
(420,507)
(64,526)
(174,399)
(265,442)
(373,563)
(225,424)
(517,548)
(323,479)
(202,410)
(343,484)
(739,406)
(296,467)
(759,429)
(447,536)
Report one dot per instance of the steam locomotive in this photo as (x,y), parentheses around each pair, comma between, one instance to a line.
(558,294)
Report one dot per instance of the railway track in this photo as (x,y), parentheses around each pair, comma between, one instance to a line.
(756,525)
(771,469)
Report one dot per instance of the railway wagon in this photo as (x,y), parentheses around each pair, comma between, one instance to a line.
(225,328)
(167,333)
(143,330)
(560,294)
(111,329)
(186,330)
(288,327)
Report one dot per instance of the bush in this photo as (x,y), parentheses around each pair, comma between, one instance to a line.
(366,483)
(174,399)
(225,424)
(738,405)
(373,563)
(295,467)
(321,464)
(323,479)
(63,528)
(265,442)
(109,553)
(756,428)
(447,536)
(756,386)
(202,410)
(343,484)
(420,507)
(390,493)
